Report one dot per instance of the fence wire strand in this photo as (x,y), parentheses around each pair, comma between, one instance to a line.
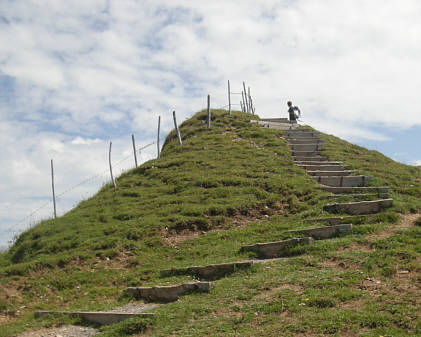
(98,175)
(11,229)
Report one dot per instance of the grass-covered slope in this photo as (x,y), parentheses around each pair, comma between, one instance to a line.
(227,186)
(232,170)
(403,180)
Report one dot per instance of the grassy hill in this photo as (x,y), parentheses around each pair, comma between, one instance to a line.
(227,186)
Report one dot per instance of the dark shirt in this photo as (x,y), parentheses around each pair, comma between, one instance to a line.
(291,111)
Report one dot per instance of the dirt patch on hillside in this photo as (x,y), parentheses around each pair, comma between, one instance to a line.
(6,319)
(405,221)
(64,331)
(273,291)
(236,222)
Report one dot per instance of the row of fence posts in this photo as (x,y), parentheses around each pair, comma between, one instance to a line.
(246,106)
(246,102)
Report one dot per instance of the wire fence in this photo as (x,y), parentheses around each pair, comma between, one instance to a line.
(14,231)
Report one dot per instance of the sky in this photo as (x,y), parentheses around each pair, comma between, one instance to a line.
(75,75)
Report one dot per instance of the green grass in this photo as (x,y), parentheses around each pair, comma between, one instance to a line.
(226,187)
(403,180)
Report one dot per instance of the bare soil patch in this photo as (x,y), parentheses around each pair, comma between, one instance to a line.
(271,292)
(64,331)
(406,221)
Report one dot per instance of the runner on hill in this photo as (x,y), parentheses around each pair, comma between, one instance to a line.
(294,112)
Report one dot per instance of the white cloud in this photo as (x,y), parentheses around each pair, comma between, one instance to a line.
(84,72)
(85,141)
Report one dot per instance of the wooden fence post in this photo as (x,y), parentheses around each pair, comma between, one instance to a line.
(250,102)
(241,105)
(134,150)
(176,128)
(245,96)
(157,140)
(209,113)
(54,193)
(244,102)
(229,97)
(111,168)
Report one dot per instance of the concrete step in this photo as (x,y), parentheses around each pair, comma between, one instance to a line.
(363,189)
(276,120)
(209,272)
(310,140)
(306,153)
(167,293)
(100,317)
(301,130)
(323,167)
(310,158)
(279,126)
(306,147)
(294,134)
(361,207)
(356,195)
(340,219)
(331,173)
(310,163)
(339,181)
(273,249)
(325,232)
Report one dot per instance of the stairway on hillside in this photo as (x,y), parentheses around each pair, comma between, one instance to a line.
(307,150)
(332,176)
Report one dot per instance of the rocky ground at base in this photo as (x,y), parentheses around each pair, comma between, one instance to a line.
(63,331)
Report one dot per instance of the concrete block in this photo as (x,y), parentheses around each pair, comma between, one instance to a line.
(310,163)
(363,189)
(167,293)
(276,120)
(274,249)
(356,195)
(338,220)
(310,158)
(297,134)
(100,317)
(306,153)
(340,181)
(361,207)
(331,173)
(279,126)
(323,167)
(310,140)
(321,233)
(306,147)
(209,272)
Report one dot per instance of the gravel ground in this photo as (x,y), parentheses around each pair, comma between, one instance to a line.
(78,331)
(64,331)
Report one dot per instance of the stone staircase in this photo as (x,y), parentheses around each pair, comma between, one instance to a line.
(335,177)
